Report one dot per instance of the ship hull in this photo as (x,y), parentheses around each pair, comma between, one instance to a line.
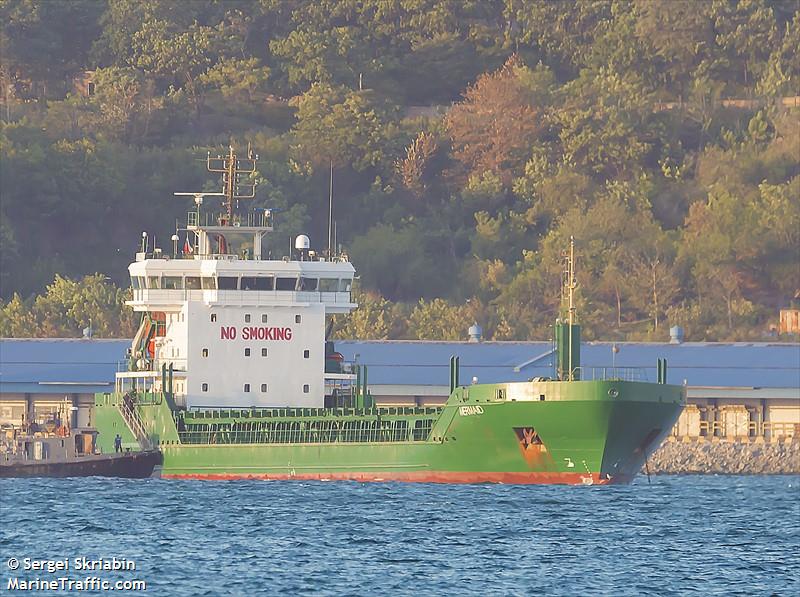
(588,433)
(129,465)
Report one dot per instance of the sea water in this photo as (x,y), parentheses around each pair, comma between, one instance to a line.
(699,535)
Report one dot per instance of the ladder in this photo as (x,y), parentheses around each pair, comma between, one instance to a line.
(135,424)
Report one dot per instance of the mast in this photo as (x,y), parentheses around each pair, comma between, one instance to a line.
(235,171)
(571,284)
(567,330)
(237,183)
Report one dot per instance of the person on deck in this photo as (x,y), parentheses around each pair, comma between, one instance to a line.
(118,443)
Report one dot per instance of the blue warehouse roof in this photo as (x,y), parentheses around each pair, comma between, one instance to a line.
(61,366)
(763,365)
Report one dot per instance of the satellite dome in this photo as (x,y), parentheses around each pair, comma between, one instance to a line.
(302,242)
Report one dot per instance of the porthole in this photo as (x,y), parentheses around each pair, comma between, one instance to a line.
(205,387)
(306,389)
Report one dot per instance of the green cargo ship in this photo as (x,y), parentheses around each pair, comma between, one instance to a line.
(231,376)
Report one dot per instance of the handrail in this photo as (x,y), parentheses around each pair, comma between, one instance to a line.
(610,373)
(288,433)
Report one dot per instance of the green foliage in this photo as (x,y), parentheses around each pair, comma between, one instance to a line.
(372,319)
(469,140)
(339,126)
(67,308)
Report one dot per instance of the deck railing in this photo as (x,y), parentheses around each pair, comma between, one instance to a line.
(289,430)
(611,373)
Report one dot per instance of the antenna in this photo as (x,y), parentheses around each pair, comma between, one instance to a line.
(330,212)
(234,170)
(198,197)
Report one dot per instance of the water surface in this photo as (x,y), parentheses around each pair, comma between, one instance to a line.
(690,534)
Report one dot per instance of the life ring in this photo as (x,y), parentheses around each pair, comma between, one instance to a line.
(62,431)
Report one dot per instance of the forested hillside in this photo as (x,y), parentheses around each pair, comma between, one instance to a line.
(469,140)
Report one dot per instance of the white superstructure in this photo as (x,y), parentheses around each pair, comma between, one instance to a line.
(235,329)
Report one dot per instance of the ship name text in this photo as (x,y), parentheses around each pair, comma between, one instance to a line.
(466,411)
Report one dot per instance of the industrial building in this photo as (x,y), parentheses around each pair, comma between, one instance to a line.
(736,391)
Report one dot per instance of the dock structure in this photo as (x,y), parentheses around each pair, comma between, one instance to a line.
(737,392)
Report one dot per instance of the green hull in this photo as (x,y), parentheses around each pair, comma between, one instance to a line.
(590,432)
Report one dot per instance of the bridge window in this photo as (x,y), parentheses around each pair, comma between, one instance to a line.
(328,284)
(307,284)
(345,284)
(153,282)
(208,283)
(192,283)
(285,283)
(135,282)
(227,283)
(257,283)
(172,283)
(204,387)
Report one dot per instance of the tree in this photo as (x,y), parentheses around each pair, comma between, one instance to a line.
(414,169)
(339,126)
(70,306)
(237,78)
(371,321)
(16,319)
(746,30)
(494,127)
(438,320)
(173,56)
(47,41)
(67,308)
(607,127)
(681,32)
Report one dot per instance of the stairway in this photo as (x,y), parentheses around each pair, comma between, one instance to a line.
(135,424)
